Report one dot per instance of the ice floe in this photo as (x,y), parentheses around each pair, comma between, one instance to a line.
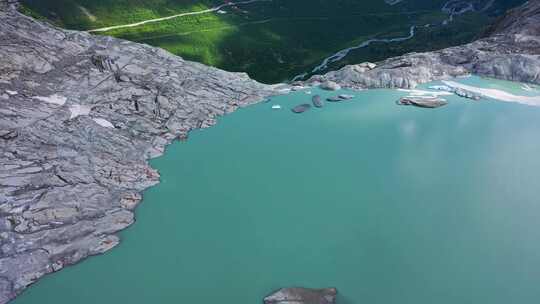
(416,92)
(496,94)
(527,88)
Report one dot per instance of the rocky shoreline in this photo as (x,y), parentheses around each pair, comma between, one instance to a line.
(80,115)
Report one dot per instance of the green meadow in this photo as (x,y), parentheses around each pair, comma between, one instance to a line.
(272,40)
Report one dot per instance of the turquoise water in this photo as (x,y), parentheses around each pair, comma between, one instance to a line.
(390,204)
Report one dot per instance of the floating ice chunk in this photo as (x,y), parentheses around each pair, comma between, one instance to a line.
(527,88)
(12,93)
(441,88)
(416,92)
(496,94)
(276,107)
(54,99)
(103,122)
(78,110)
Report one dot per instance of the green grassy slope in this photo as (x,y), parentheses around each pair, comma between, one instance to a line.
(272,41)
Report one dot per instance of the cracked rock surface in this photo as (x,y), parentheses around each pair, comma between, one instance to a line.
(511,51)
(80,115)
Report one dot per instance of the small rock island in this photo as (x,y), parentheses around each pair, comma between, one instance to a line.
(297,295)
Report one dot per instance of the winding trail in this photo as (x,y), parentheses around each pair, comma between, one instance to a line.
(206,11)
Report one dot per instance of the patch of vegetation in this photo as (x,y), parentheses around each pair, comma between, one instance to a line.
(274,40)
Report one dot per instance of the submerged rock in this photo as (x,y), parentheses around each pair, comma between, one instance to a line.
(346,97)
(334,99)
(317,102)
(423,101)
(297,295)
(301,108)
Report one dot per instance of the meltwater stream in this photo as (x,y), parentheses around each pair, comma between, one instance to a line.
(390,204)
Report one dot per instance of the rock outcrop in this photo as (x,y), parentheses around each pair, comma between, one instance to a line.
(80,115)
(511,51)
(297,295)
(330,86)
(422,101)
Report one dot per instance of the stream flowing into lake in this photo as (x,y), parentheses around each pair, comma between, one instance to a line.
(390,204)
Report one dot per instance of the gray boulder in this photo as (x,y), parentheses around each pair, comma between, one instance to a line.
(330,86)
(301,108)
(423,102)
(297,295)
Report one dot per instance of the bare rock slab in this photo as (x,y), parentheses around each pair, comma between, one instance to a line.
(423,102)
(298,295)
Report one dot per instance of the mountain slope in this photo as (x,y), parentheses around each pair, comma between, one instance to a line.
(276,40)
(510,52)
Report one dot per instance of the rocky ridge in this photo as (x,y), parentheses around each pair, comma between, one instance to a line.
(510,51)
(80,115)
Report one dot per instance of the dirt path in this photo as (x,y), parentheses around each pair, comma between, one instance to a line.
(210,10)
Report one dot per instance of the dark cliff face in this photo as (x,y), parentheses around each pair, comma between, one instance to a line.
(523,20)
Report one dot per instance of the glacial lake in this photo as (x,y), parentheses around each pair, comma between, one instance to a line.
(390,204)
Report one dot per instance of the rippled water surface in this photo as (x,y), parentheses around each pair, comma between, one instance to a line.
(389,204)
